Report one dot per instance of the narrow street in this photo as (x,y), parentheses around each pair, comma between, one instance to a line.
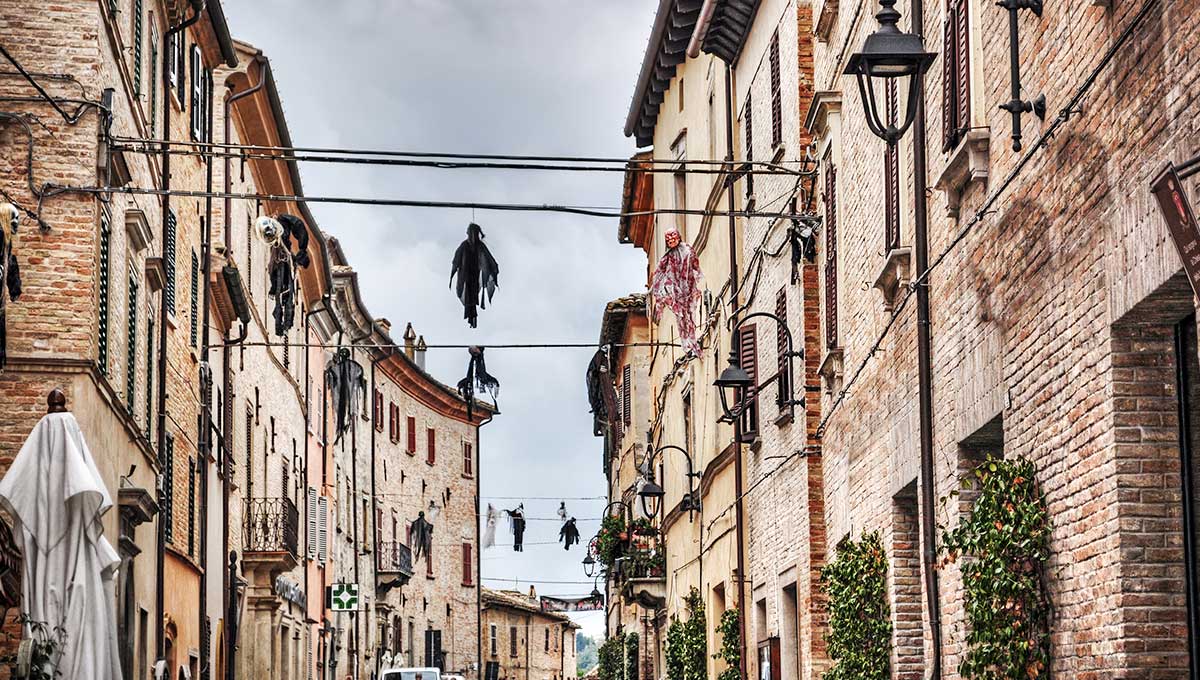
(622,340)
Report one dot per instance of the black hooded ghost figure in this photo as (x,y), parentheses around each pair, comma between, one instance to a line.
(10,271)
(569,534)
(420,536)
(282,272)
(348,387)
(478,273)
(804,246)
(602,394)
(477,379)
(516,518)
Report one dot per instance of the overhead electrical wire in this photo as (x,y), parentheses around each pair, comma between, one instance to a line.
(1070,109)
(548,345)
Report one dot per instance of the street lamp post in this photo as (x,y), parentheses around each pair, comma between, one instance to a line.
(891,54)
(652,491)
(735,384)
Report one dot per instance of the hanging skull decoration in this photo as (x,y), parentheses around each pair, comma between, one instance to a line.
(9,218)
(269,230)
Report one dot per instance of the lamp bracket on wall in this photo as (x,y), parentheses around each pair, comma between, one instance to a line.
(1016,106)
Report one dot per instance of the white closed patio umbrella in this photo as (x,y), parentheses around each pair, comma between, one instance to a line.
(56,497)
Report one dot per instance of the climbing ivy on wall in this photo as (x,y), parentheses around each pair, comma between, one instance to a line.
(631,656)
(859,640)
(609,659)
(1006,540)
(687,646)
(731,645)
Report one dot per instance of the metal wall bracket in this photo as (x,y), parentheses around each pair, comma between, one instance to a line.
(1017,106)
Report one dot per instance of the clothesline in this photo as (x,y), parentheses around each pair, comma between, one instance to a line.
(545,498)
(544,345)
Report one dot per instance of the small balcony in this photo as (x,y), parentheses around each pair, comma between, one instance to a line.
(395,566)
(270,539)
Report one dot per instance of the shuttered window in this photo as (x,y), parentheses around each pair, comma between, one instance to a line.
(748,119)
(412,435)
(468,460)
(168,467)
(429,565)
(149,377)
(137,47)
(748,358)
(393,422)
(776,94)
(154,84)
(377,410)
(103,285)
(512,640)
(191,491)
(131,342)
(312,524)
(626,395)
(891,172)
(322,529)
(781,348)
(169,260)
(431,452)
(195,308)
(956,74)
(467,566)
(831,271)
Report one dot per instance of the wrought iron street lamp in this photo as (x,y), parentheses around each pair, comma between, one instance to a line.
(589,562)
(735,384)
(654,492)
(887,54)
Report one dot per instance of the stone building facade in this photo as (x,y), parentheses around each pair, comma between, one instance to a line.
(521,642)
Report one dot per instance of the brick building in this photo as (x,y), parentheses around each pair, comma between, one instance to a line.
(521,642)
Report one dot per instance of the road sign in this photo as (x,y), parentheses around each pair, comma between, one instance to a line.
(343,597)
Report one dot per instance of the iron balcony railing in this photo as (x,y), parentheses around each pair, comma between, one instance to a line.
(395,558)
(272,525)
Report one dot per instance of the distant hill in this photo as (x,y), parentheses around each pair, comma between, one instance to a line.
(585,654)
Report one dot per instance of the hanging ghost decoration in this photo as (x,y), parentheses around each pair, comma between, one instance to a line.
(602,394)
(348,389)
(562,511)
(477,378)
(568,534)
(10,271)
(516,522)
(676,286)
(278,233)
(477,271)
(489,530)
(803,239)
(420,537)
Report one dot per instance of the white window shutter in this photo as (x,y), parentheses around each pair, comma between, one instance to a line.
(322,528)
(312,523)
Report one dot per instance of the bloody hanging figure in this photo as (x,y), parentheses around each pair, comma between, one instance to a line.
(676,286)
(477,271)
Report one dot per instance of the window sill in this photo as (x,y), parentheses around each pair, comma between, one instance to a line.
(968,163)
(831,369)
(895,275)
(783,419)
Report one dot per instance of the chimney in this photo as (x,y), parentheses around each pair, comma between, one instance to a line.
(384,324)
(533,593)
(420,353)
(409,336)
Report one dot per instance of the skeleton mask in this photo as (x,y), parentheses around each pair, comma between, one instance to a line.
(269,230)
(672,238)
(9,217)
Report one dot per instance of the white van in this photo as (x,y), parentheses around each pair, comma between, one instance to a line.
(411,674)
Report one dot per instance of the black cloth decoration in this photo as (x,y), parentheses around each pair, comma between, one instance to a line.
(10,272)
(602,394)
(420,537)
(282,270)
(477,379)
(516,518)
(569,534)
(348,388)
(293,227)
(804,246)
(478,273)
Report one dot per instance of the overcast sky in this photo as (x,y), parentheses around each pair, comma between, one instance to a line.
(479,76)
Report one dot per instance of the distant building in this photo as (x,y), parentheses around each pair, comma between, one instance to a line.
(521,642)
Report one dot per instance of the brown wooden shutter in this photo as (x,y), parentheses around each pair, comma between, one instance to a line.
(748,358)
(962,59)
(831,273)
(626,406)
(949,82)
(467,579)
(468,460)
(781,311)
(431,453)
(776,94)
(378,410)
(891,202)
(412,434)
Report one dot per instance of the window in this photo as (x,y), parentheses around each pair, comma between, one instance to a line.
(168,471)
(412,435)
(137,47)
(547,647)
(322,528)
(131,342)
(394,422)
(429,566)
(891,174)
(831,273)
(169,261)
(492,639)
(468,567)
(105,263)
(191,507)
(150,377)
(195,307)
(196,101)
(776,94)
(680,200)
(626,396)
(748,119)
(681,90)
(781,348)
(154,84)
(249,450)
(748,358)
(175,74)
(431,452)
(378,411)
(512,641)
(468,460)
(956,74)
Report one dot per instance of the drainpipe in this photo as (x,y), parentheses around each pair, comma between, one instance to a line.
(478,552)
(925,361)
(205,436)
(160,640)
(737,423)
(230,641)
(701,30)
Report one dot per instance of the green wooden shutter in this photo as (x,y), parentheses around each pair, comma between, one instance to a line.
(137,47)
(195,307)
(131,344)
(168,508)
(169,260)
(103,284)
